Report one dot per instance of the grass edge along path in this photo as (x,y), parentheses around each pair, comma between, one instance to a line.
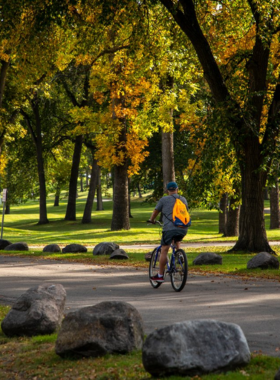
(234,264)
(35,358)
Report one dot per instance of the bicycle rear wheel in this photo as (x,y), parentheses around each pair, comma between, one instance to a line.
(179,272)
(154,268)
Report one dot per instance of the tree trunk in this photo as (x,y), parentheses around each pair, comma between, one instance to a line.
(252,227)
(129,200)
(40,164)
(274,206)
(139,190)
(168,171)
(120,219)
(71,206)
(87,183)
(232,225)
(92,187)
(81,182)
(99,202)
(265,194)
(56,198)
(3,75)
(223,214)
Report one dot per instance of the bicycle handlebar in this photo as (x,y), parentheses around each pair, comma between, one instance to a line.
(155,222)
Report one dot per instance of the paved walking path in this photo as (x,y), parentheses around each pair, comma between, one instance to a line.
(252,304)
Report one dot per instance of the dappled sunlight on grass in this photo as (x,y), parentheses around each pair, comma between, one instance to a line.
(22,225)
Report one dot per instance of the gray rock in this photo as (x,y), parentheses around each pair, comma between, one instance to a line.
(277,376)
(263,260)
(38,311)
(4,243)
(52,248)
(119,254)
(194,348)
(17,247)
(74,248)
(108,327)
(208,258)
(105,248)
(148,256)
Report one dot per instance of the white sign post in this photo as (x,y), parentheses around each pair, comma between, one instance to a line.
(4,198)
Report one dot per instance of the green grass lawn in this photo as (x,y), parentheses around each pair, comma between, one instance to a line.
(21,225)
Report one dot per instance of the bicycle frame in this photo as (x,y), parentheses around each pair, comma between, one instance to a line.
(170,259)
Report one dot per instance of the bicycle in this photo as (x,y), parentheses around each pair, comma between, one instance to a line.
(177,267)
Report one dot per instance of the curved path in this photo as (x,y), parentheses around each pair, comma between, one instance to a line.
(252,304)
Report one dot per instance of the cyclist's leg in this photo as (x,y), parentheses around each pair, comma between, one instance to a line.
(177,244)
(163,259)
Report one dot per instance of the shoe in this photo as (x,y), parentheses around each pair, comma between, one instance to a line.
(157,278)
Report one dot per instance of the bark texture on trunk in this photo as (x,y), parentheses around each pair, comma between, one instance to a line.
(274,206)
(99,202)
(71,205)
(3,75)
(232,226)
(82,183)
(139,190)
(252,227)
(168,170)
(129,200)
(92,187)
(223,214)
(120,219)
(57,196)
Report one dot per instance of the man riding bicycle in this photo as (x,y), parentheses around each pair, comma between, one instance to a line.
(170,233)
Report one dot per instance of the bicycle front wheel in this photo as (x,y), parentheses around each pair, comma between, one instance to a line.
(154,268)
(179,273)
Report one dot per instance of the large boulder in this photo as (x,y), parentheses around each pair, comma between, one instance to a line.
(4,243)
(105,248)
(193,348)
(17,247)
(74,248)
(208,258)
(263,260)
(119,254)
(38,311)
(52,248)
(108,327)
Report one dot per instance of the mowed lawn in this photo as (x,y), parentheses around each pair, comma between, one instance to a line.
(22,225)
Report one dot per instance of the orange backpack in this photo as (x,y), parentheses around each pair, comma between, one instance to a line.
(180,215)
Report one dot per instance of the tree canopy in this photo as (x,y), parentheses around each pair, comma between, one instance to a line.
(115,74)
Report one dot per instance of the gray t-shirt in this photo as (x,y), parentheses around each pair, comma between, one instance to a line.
(165,205)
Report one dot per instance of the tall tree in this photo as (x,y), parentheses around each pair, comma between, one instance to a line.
(250,109)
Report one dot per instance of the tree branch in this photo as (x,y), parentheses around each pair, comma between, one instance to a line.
(70,94)
(108,51)
(28,121)
(189,24)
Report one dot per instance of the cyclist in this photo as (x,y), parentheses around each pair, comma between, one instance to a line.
(170,233)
